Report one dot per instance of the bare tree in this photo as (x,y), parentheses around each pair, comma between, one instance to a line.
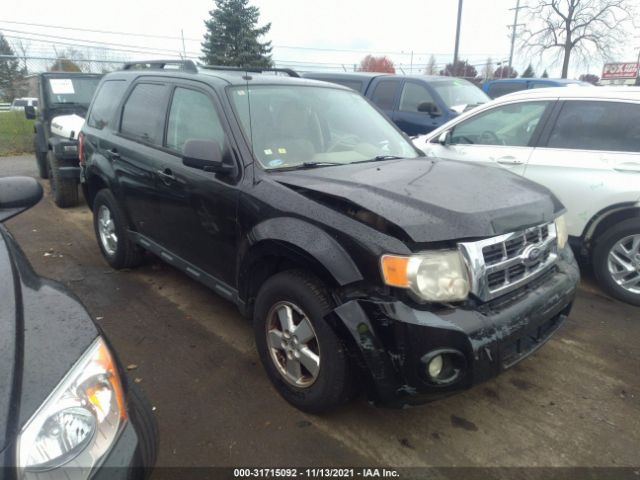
(432,67)
(581,27)
(22,46)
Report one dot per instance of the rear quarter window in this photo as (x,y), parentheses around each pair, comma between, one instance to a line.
(107,99)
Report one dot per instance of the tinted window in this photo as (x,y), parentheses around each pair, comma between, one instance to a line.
(385,93)
(143,113)
(106,101)
(612,126)
(192,116)
(510,125)
(19,103)
(353,84)
(413,94)
(502,88)
(34,103)
(542,85)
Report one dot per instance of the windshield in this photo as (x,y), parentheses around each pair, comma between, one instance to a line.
(458,93)
(71,90)
(296,125)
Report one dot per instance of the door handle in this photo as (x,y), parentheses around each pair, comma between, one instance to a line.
(113,154)
(509,160)
(166,176)
(628,167)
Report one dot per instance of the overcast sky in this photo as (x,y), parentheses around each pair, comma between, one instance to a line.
(342,31)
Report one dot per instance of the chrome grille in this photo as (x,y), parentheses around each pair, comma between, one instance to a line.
(501,264)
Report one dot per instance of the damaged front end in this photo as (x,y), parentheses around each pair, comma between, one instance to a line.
(415,352)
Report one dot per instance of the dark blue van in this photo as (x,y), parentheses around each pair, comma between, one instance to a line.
(416,103)
(497,88)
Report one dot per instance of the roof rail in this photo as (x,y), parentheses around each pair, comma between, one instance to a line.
(184,65)
(288,71)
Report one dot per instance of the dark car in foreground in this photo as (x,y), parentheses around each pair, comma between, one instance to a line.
(361,262)
(66,409)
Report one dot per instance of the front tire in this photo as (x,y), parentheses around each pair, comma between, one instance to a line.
(304,358)
(63,190)
(110,226)
(141,413)
(616,261)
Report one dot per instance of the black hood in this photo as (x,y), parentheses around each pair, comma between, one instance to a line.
(43,332)
(429,200)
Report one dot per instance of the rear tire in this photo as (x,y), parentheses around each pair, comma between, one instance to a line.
(141,414)
(111,227)
(616,249)
(305,299)
(63,190)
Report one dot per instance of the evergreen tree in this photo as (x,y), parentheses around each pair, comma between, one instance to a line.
(528,73)
(232,36)
(545,74)
(11,76)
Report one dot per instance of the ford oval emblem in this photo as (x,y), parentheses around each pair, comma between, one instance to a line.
(531,255)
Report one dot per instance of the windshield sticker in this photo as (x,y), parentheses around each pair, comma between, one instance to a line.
(268,152)
(61,86)
(282,150)
(276,162)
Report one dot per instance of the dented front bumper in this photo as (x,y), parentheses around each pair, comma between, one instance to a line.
(395,341)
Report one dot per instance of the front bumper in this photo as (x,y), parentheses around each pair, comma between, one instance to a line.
(395,341)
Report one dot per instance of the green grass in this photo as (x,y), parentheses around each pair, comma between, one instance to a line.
(16,133)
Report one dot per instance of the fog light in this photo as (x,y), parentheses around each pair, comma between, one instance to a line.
(435,366)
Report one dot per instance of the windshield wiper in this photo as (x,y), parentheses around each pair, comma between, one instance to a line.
(379,158)
(320,164)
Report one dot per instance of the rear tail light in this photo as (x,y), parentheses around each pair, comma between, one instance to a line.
(80,145)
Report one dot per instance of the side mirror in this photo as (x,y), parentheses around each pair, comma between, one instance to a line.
(430,108)
(17,194)
(30,112)
(205,155)
(445,138)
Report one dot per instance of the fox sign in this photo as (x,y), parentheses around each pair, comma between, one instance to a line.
(620,70)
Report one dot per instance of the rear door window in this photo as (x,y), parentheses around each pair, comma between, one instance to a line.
(192,116)
(106,101)
(144,113)
(597,125)
(384,94)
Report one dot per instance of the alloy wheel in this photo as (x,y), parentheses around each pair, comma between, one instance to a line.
(107,230)
(293,344)
(623,263)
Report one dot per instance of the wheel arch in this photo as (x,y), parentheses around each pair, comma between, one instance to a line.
(604,219)
(281,244)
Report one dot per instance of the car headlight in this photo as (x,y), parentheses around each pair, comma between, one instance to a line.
(438,276)
(79,421)
(561,231)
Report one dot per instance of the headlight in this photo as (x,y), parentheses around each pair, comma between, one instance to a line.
(438,276)
(561,231)
(77,424)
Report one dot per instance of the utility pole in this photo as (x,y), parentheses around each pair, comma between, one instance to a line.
(457,47)
(513,31)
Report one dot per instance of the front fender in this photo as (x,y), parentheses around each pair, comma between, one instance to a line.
(312,240)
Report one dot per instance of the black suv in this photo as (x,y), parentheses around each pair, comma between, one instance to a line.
(63,101)
(361,262)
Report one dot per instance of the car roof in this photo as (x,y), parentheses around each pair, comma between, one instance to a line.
(361,75)
(216,77)
(558,81)
(617,93)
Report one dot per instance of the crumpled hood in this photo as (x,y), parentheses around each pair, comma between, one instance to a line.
(430,200)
